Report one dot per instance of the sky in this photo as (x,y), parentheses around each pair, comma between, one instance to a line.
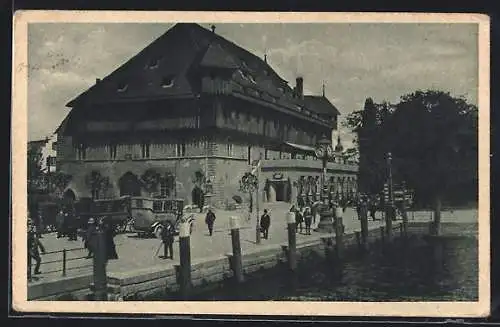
(355,61)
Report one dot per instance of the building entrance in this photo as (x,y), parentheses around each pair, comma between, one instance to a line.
(279,191)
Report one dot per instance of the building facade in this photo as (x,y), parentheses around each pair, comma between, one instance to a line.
(198,107)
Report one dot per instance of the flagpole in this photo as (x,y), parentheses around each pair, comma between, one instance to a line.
(257,227)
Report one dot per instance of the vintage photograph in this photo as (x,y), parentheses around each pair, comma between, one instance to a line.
(253,161)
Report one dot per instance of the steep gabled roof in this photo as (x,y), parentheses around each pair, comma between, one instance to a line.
(321,105)
(164,69)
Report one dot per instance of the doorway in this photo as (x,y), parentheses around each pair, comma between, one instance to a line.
(129,185)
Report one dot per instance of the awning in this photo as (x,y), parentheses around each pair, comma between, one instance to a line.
(301,147)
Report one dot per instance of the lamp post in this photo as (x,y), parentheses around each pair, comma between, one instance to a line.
(324,152)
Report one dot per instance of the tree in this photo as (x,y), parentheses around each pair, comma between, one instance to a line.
(97,183)
(249,184)
(150,180)
(433,140)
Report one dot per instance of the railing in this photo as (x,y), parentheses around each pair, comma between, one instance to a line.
(311,164)
(63,261)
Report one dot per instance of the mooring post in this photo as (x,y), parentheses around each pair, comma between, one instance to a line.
(382,234)
(235,240)
(64,263)
(401,230)
(185,261)
(30,276)
(339,232)
(358,240)
(364,224)
(292,241)
(100,261)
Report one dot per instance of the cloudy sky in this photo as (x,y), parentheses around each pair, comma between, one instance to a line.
(355,61)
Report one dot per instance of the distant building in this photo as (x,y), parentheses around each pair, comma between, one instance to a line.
(191,102)
(44,151)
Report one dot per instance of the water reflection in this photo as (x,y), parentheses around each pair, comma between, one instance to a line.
(444,269)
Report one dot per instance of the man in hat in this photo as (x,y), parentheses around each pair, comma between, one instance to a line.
(34,245)
(91,229)
(209,220)
(308,217)
(167,237)
(265,222)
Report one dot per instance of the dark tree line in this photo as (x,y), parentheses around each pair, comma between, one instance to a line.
(433,138)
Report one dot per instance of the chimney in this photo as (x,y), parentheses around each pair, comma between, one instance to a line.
(97,80)
(300,87)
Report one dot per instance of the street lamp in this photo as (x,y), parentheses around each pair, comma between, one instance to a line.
(324,152)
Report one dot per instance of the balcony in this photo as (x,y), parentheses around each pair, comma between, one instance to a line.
(302,164)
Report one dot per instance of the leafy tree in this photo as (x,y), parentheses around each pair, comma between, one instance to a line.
(150,180)
(97,183)
(433,140)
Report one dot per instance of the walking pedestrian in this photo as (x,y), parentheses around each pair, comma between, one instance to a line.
(91,229)
(265,222)
(308,217)
(299,218)
(209,220)
(34,248)
(39,224)
(167,237)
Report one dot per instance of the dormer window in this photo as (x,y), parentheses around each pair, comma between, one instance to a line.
(167,81)
(154,63)
(122,87)
(250,78)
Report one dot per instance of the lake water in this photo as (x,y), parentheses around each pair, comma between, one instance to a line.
(414,270)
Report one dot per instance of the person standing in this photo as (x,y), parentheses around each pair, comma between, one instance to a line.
(71,226)
(372,204)
(60,224)
(39,224)
(308,217)
(34,248)
(91,229)
(265,222)
(167,237)
(109,234)
(209,220)
(299,218)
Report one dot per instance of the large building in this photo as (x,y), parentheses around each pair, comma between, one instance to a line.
(193,104)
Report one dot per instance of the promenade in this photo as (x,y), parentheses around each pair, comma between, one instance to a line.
(139,253)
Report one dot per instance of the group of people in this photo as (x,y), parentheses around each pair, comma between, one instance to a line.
(66,228)
(67,225)
(305,216)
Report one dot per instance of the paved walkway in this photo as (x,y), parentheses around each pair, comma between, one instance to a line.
(138,253)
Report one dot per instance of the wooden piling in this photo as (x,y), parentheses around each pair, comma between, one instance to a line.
(364,224)
(339,233)
(388,221)
(236,246)
(64,263)
(100,260)
(292,241)
(382,235)
(185,261)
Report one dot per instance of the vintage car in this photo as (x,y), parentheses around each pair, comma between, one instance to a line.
(146,216)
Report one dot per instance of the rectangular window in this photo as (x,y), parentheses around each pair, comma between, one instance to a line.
(265,154)
(164,188)
(249,154)
(180,150)
(54,146)
(229,148)
(157,206)
(145,149)
(81,151)
(51,161)
(112,150)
